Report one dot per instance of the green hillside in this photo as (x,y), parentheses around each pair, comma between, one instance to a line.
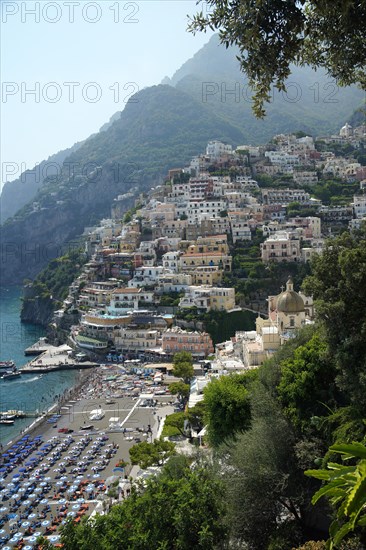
(160,128)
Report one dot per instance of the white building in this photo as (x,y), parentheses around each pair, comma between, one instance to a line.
(216,149)
(281,247)
(359,206)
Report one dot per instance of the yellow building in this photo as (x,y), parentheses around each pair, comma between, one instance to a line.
(210,275)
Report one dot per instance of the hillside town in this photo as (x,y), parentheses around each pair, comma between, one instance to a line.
(173,252)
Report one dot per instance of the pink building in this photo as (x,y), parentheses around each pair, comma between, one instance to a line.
(175,339)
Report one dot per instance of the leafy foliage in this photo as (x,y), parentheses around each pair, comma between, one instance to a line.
(227,406)
(182,366)
(60,273)
(151,454)
(346,489)
(174,424)
(262,477)
(180,510)
(338,284)
(179,388)
(306,387)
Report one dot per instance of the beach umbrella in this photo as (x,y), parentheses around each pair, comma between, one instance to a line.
(71,514)
(47,478)
(76,507)
(26,502)
(28,547)
(44,501)
(37,534)
(38,490)
(25,524)
(18,535)
(22,469)
(62,501)
(33,495)
(95,476)
(2,531)
(11,484)
(3,509)
(32,539)
(32,516)
(45,523)
(54,538)
(7,547)
(81,500)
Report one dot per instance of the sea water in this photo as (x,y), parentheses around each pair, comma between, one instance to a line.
(31,393)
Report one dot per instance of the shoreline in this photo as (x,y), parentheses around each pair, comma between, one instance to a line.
(39,425)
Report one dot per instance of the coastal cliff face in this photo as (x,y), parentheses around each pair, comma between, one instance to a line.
(37,309)
(28,244)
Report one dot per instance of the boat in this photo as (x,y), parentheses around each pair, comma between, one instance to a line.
(13,413)
(10,375)
(7,422)
(7,365)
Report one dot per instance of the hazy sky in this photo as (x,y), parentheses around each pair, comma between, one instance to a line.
(67,66)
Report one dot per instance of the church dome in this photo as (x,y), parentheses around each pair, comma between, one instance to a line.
(290,301)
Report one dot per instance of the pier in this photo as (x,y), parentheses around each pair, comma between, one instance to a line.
(38,347)
(54,358)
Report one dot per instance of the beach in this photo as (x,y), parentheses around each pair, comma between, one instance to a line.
(69,473)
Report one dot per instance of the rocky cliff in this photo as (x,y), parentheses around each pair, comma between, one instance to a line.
(36,309)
